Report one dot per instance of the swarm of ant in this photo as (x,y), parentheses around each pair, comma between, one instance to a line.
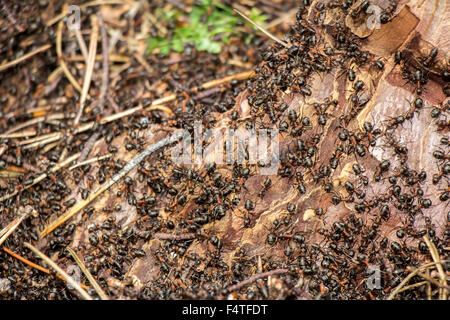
(352,213)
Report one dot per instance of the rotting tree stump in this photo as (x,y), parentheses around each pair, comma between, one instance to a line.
(414,29)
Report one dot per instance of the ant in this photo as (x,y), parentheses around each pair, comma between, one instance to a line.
(444,171)
(337,198)
(377,63)
(428,60)
(417,78)
(369,133)
(266,186)
(300,183)
(436,111)
(443,125)
(320,8)
(362,8)
(445,195)
(352,189)
(358,171)
(440,155)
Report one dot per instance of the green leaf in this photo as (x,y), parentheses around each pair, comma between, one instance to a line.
(169,16)
(164,49)
(248,38)
(200,31)
(202,44)
(153,43)
(257,16)
(214,47)
(219,30)
(206,44)
(196,15)
(206,3)
(184,33)
(177,45)
(225,39)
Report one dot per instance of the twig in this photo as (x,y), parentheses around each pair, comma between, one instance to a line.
(82,45)
(79,164)
(89,68)
(44,139)
(63,13)
(16,135)
(42,176)
(15,169)
(433,281)
(213,83)
(43,142)
(28,262)
(69,76)
(175,237)
(412,286)
(24,57)
(435,256)
(144,63)
(206,93)
(36,266)
(271,36)
(25,165)
(49,147)
(161,108)
(10,174)
(87,78)
(128,167)
(105,67)
(10,228)
(88,146)
(68,278)
(53,80)
(255,277)
(405,281)
(428,285)
(62,63)
(37,139)
(89,276)
(98,57)
(56,116)
(2,149)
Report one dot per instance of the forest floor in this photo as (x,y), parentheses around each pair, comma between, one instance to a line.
(91,94)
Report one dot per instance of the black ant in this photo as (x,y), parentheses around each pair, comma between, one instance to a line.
(444,171)
(266,185)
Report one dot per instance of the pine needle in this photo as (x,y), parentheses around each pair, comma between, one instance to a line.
(10,228)
(435,255)
(42,176)
(24,57)
(36,266)
(267,33)
(128,167)
(89,276)
(61,272)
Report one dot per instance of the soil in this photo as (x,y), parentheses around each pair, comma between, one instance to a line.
(359,198)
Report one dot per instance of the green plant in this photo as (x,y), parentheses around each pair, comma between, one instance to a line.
(209,25)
